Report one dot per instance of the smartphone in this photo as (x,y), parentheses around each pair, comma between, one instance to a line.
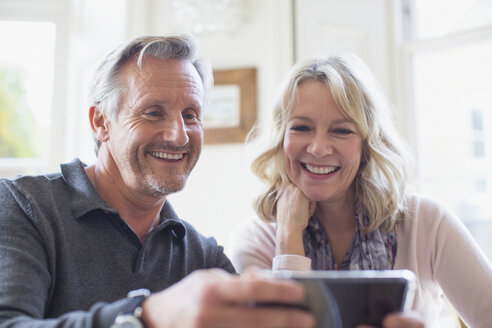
(344,299)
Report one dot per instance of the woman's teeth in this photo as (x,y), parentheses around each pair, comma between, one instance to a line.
(163,155)
(320,169)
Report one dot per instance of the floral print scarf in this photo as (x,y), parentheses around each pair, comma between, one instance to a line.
(371,251)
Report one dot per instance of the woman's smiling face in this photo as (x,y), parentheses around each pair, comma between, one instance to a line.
(322,147)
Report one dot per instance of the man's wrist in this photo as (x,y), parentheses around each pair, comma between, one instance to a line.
(132,316)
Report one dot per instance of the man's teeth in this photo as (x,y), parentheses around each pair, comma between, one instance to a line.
(163,155)
(320,169)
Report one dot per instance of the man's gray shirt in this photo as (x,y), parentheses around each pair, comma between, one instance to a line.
(66,254)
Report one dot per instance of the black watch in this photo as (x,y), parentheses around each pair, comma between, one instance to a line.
(132,319)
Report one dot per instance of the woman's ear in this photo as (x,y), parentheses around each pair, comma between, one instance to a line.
(99,124)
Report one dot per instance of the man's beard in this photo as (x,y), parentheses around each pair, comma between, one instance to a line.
(160,189)
(156,187)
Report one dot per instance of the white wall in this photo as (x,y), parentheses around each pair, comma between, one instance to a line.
(357,26)
(92,36)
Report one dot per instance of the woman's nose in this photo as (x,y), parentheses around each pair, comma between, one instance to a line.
(320,145)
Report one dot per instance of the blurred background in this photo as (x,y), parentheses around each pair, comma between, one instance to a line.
(432,58)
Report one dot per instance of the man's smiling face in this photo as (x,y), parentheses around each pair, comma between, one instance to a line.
(156,138)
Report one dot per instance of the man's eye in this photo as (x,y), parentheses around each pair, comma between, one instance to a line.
(153,113)
(189,116)
(300,128)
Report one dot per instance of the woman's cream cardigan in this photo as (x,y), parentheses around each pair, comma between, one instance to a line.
(432,242)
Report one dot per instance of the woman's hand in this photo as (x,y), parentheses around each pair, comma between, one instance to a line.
(400,320)
(293,212)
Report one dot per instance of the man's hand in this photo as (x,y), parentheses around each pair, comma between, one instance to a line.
(214,298)
(293,212)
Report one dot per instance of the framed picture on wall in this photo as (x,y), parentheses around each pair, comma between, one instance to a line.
(231,112)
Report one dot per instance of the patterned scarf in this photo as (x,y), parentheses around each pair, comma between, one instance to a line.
(372,251)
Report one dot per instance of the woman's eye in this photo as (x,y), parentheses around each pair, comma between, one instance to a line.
(300,128)
(342,131)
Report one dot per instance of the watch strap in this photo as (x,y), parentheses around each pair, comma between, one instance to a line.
(132,312)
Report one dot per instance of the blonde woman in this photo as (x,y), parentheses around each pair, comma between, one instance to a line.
(337,197)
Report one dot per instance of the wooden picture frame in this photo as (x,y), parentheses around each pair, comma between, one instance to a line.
(232,108)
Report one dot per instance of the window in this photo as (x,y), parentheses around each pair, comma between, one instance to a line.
(478,135)
(33,68)
(26,79)
(438,18)
(448,47)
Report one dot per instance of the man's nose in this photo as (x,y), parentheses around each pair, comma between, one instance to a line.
(175,132)
(320,145)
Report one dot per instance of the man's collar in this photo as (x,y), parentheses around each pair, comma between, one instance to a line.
(169,217)
(85,198)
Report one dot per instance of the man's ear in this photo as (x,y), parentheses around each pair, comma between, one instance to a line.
(99,124)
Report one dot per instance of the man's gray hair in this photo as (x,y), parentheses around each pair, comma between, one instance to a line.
(105,90)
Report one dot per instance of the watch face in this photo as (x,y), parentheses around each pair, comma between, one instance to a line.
(127,321)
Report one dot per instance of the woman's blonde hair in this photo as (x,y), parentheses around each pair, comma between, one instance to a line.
(380,183)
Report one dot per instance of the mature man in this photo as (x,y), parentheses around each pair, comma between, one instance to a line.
(74,243)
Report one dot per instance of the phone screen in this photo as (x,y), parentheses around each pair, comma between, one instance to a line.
(366,301)
(344,299)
